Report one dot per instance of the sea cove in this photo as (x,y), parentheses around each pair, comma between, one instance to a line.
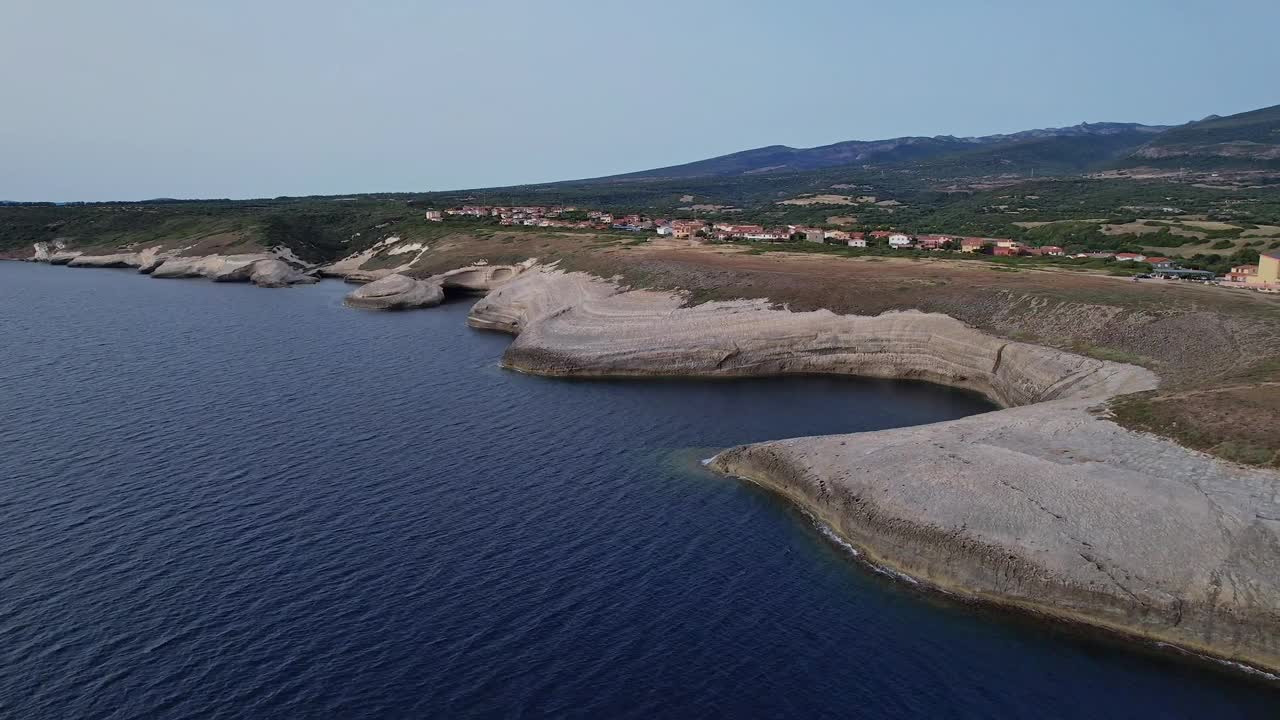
(227,501)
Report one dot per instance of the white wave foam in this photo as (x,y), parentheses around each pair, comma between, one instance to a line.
(1248,669)
(832,535)
(835,538)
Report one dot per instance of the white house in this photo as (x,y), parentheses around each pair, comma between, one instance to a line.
(899,241)
(858,242)
(666,230)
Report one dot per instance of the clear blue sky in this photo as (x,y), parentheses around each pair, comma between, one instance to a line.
(130,99)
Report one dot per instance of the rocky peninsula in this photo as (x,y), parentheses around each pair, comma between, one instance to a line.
(1044,506)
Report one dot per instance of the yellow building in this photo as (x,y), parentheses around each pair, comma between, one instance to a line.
(1268,269)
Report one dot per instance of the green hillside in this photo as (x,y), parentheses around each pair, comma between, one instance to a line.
(316,229)
(1043,156)
(1048,151)
(1249,139)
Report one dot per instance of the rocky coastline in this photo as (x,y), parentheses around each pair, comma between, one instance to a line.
(1044,505)
(262,269)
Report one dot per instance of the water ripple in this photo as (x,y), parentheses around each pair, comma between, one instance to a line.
(222,502)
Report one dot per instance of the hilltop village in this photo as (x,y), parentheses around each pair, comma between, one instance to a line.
(1263,276)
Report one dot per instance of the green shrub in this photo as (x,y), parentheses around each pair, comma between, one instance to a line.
(1245,453)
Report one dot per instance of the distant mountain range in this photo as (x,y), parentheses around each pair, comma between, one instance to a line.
(1250,139)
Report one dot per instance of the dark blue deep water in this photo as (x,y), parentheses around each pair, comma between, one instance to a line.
(218,501)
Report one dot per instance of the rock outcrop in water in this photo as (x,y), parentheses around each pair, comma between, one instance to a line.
(123,260)
(401,292)
(397,292)
(262,269)
(213,267)
(276,273)
(54,253)
(1044,506)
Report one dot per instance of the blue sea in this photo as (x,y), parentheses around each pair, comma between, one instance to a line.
(219,501)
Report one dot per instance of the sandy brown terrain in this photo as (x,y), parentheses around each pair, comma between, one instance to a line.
(819,200)
(1262,231)
(1140,227)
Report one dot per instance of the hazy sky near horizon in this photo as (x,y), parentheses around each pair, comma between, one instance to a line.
(136,99)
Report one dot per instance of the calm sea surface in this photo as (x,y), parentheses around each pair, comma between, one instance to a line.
(218,501)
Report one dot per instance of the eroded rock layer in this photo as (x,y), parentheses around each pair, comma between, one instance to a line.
(478,278)
(396,292)
(262,269)
(276,273)
(572,324)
